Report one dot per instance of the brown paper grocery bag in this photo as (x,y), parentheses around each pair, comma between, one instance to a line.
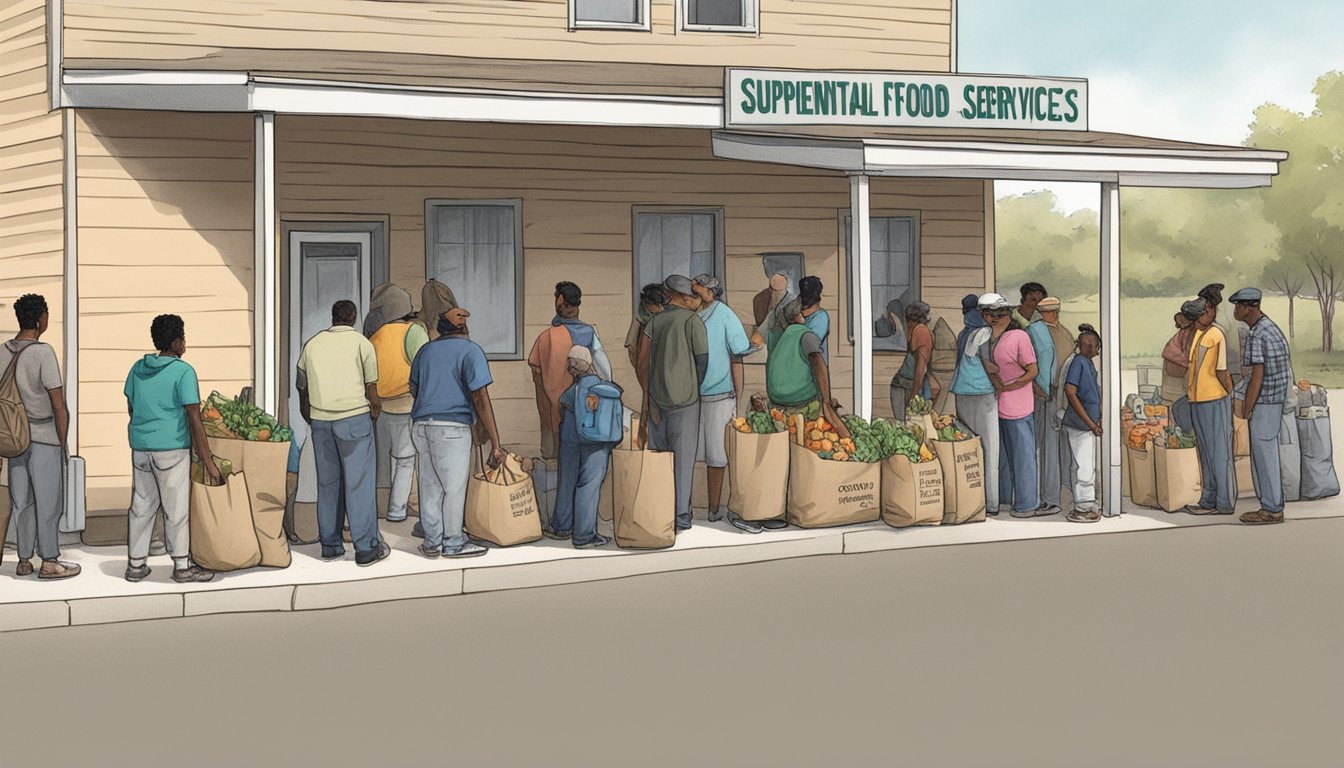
(1178,478)
(223,537)
(963,466)
(912,493)
(1142,477)
(1245,477)
(1241,437)
(644,499)
(825,493)
(266,466)
(758,474)
(505,512)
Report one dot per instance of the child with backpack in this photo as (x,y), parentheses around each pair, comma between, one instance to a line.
(590,426)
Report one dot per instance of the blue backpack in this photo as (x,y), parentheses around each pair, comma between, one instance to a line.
(598,412)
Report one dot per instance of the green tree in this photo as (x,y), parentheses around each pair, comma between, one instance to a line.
(1036,242)
(1306,201)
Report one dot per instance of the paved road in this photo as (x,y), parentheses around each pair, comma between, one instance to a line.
(1214,646)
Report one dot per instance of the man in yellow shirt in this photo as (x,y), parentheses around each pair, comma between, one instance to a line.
(396,342)
(1209,388)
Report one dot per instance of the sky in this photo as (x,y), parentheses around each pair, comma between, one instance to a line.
(1193,70)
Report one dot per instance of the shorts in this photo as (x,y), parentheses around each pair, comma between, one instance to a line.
(716,412)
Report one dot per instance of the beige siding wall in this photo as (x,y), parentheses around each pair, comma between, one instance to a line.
(877,34)
(578,186)
(32,223)
(165,226)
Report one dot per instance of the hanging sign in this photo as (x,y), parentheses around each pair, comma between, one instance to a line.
(757,97)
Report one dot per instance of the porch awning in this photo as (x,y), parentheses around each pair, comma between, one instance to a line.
(1027,155)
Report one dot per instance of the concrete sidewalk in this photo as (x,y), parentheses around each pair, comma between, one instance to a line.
(101,595)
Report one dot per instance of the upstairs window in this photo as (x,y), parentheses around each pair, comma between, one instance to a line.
(719,15)
(609,14)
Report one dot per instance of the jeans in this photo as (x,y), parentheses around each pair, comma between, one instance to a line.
(445,466)
(583,468)
(346,479)
(1181,415)
(1019,478)
(1213,440)
(678,431)
(161,479)
(981,414)
(37,498)
(397,450)
(1083,446)
(1048,453)
(1265,423)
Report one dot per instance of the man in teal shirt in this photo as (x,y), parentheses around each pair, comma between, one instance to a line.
(720,390)
(164,402)
(1047,437)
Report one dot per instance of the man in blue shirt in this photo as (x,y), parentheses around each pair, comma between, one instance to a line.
(720,390)
(977,402)
(1082,424)
(1047,439)
(1267,375)
(449,381)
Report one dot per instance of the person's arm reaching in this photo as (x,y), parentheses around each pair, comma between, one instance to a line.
(642,364)
(486,413)
(822,375)
(197,428)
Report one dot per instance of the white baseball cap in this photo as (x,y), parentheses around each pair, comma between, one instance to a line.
(993,301)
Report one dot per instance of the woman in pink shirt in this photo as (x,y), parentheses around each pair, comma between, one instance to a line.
(1012,370)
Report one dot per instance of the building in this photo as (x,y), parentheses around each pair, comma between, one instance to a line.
(242,162)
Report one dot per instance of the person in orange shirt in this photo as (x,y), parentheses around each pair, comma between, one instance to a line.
(396,343)
(549,361)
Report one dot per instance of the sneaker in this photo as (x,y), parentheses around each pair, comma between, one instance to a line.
(369,558)
(1198,510)
(1022,515)
(193,574)
(136,573)
(466,550)
(774,525)
(715,515)
(24,568)
(1046,510)
(56,569)
(418,530)
(392,519)
(598,540)
(557,535)
(430,552)
(1083,516)
(747,526)
(330,553)
(1262,517)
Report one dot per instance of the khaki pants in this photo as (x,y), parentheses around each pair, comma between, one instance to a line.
(160,480)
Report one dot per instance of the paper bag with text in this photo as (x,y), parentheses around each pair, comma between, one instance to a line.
(502,506)
(824,493)
(912,494)
(963,466)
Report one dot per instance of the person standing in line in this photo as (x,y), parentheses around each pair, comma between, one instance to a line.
(1212,294)
(720,391)
(1268,368)
(450,381)
(549,361)
(1210,393)
(396,343)
(583,466)
(675,361)
(1012,370)
(817,320)
(36,476)
(1176,369)
(650,304)
(1026,314)
(1082,424)
(163,399)
(914,377)
(977,404)
(796,374)
(337,379)
(1048,362)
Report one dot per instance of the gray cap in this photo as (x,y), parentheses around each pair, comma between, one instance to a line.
(711,282)
(1194,308)
(917,310)
(679,284)
(1245,294)
(791,309)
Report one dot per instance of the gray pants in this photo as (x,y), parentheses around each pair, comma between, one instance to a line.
(1213,440)
(396,450)
(981,414)
(1266,422)
(678,431)
(346,480)
(160,480)
(445,455)
(37,496)
(1048,453)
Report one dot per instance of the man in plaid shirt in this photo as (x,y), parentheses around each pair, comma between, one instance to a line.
(1269,374)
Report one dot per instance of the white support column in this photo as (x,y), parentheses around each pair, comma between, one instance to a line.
(265,342)
(861,289)
(1111,402)
(70,317)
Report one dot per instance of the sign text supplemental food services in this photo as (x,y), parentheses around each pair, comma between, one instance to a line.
(770,97)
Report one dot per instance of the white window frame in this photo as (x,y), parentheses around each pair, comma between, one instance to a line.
(751,19)
(644,25)
(720,265)
(917,268)
(518,281)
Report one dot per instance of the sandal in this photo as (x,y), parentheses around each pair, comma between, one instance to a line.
(55,569)
(1083,516)
(24,568)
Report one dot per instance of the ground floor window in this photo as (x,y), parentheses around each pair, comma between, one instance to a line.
(677,242)
(719,15)
(612,14)
(476,247)
(895,249)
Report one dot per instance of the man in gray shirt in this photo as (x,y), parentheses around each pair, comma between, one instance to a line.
(36,476)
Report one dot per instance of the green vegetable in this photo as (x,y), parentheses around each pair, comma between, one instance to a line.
(247,420)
